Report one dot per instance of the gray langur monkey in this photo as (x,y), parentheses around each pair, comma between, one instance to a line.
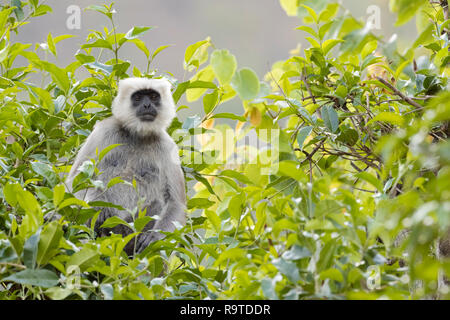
(141,113)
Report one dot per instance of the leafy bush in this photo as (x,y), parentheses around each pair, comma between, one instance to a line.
(361,154)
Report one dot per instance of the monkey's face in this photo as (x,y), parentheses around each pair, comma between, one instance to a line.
(146,103)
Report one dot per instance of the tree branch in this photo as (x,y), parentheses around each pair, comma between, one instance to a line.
(398,93)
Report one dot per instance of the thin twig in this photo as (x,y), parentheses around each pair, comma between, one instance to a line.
(398,93)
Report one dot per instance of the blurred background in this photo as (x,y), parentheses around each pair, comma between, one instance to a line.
(257,32)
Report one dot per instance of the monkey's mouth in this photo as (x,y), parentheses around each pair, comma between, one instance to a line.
(147,117)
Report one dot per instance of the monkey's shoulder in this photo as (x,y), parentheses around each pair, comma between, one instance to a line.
(155,147)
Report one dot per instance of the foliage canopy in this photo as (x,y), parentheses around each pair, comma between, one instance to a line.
(363,154)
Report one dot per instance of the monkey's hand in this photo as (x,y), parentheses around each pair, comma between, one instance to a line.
(145,238)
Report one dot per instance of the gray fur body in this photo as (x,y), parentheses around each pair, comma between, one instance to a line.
(148,156)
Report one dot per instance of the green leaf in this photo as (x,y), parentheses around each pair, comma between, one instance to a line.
(329,13)
(311,12)
(200,83)
(135,32)
(42,10)
(236,175)
(199,203)
(99,43)
(191,122)
(290,6)
(114,181)
(348,136)
(366,176)
(341,91)
(235,206)
(49,242)
(224,65)
(121,68)
(303,133)
(326,256)
(10,191)
(106,150)
(4,53)
(268,288)
(226,115)
(261,218)
(4,15)
(232,254)
(51,44)
(45,171)
(196,54)
(140,223)
(57,293)
(83,258)
(18,151)
(369,48)
(246,83)
(98,66)
(287,268)
(31,206)
(45,99)
(297,253)
(159,49)
(214,219)
(73,201)
(58,75)
(30,250)
(330,117)
(390,117)
(332,274)
(210,101)
(406,9)
(34,277)
(63,37)
(114,221)
(142,46)
(326,207)
(58,194)
(291,169)
(101,9)
(329,44)
(309,30)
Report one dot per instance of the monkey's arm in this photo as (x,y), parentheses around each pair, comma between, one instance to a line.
(86,152)
(176,204)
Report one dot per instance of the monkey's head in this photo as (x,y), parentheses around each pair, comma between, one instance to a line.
(144,105)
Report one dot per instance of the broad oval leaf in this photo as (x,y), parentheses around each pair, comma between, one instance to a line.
(34,277)
(246,84)
(224,65)
(303,133)
(330,117)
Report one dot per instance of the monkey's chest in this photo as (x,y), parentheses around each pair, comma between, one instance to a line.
(128,164)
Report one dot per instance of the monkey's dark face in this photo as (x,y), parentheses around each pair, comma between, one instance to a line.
(146,103)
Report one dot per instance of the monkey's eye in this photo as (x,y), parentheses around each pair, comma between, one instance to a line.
(137,97)
(154,96)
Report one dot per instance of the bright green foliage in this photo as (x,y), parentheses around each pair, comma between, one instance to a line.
(363,154)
